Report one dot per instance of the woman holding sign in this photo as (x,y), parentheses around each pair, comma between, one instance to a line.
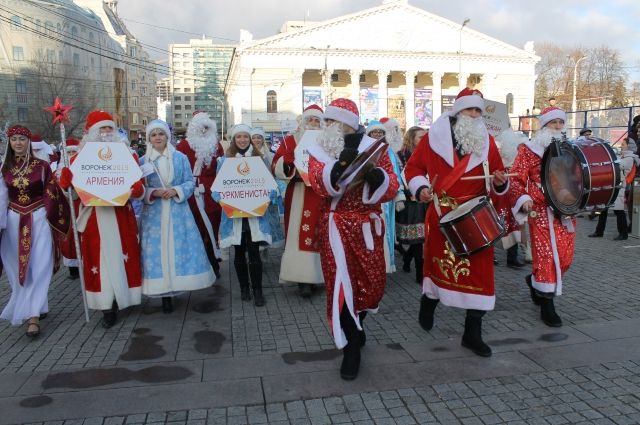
(245,234)
(29,200)
(173,255)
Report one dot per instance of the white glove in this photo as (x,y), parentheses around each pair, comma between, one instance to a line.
(399,206)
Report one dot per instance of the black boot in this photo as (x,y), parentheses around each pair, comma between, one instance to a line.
(255,270)
(351,352)
(534,297)
(167,305)
(363,336)
(109,317)
(304,289)
(472,337)
(513,260)
(419,271)
(548,313)
(427,308)
(243,278)
(74,272)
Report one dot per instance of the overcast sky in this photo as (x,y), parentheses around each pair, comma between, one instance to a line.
(615,23)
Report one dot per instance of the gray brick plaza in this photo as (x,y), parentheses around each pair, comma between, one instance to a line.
(219,360)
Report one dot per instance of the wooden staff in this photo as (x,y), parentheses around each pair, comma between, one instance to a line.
(486,177)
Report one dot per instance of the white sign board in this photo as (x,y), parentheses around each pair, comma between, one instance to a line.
(495,117)
(244,185)
(103,174)
(301,153)
(288,126)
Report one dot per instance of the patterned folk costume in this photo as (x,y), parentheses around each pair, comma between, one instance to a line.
(33,213)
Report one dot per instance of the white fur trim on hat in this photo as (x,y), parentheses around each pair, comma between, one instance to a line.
(376,126)
(342,115)
(239,128)
(157,125)
(552,115)
(100,124)
(464,102)
(258,130)
(312,112)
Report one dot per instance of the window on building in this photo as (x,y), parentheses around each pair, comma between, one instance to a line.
(135,119)
(177,97)
(51,55)
(272,101)
(187,98)
(187,107)
(74,32)
(132,51)
(177,107)
(134,102)
(363,78)
(76,60)
(91,36)
(21,86)
(389,78)
(144,90)
(18,53)
(510,103)
(16,23)
(178,116)
(134,84)
(23,114)
(178,123)
(334,77)
(187,89)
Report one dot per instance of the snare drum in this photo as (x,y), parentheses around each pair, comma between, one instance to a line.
(584,175)
(472,227)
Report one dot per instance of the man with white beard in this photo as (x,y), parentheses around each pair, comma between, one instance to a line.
(109,240)
(350,229)
(42,150)
(552,236)
(203,150)
(457,145)
(300,259)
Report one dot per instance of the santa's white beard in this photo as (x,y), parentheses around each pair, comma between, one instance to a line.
(470,133)
(544,136)
(332,139)
(393,137)
(95,136)
(204,147)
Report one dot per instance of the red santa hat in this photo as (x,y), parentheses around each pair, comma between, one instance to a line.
(73,144)
(345,111)
(468,98)
(313,111)
(551,113)
(99,119)
(21,130)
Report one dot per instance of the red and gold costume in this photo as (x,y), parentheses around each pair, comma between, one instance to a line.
(36,214)
(552,237)
(458,282)
(300,260)
(351,238)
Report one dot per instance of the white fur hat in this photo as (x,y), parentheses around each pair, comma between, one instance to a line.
(239,128)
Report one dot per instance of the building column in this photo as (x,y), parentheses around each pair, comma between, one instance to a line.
(462,80)
(298,74)
(355,85)
(437,94)
(410,98)
(326,85)
(383,98)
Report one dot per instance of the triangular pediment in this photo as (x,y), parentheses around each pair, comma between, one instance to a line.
(392,27)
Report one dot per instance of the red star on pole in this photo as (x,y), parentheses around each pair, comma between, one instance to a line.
(59,111)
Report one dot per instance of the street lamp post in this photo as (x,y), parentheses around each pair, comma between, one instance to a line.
(464,24)
(574,102)
(223,112)
(325,74)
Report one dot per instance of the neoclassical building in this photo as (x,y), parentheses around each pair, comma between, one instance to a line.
(394,60)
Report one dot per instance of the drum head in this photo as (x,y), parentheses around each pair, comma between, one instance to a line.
(462,210)
(562,178)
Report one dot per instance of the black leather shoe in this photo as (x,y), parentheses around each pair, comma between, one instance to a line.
(167,305)
(620,238)
(548,313)
(595,235)
(109,319)
(534,297)
(350,361)
(516,264)
(427,309)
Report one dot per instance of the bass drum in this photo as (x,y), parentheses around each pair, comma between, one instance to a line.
(579,176)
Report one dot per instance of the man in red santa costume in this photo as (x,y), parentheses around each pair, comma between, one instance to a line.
(457,145)
(42,150)
(552,236)
(203,150)
(350,228)
(109,240)
(300,260)
(67,245)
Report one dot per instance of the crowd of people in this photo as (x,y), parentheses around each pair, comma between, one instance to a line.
(345,218)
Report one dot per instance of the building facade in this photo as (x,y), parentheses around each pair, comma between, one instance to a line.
(198,72)
(394,60)
(68,49)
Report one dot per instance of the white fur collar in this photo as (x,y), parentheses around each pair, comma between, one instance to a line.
(442,143)
(535,147)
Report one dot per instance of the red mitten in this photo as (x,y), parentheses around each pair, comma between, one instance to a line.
(65,178)
(137,190)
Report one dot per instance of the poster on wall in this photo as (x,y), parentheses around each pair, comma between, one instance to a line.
(311,96)
(424,107)
(368,105)
(396,107)
(447,102)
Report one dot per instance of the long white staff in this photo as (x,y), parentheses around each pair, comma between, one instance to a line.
(60,115)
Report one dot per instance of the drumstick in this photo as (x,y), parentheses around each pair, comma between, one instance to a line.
(487,177)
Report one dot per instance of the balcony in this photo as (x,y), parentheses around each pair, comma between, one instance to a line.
(21,98)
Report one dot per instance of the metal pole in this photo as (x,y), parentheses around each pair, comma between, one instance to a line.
(574,103)
(464,23)
(76,239)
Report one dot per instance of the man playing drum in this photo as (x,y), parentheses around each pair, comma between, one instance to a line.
(552,235)
(457,147)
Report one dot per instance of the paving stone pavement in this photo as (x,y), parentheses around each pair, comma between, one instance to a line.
(217,359)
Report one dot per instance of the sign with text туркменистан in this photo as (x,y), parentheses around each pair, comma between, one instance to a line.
(103,174)
(244,185)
